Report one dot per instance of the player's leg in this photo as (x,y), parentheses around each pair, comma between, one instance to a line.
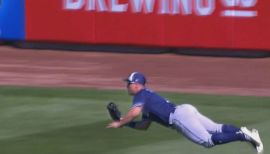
(209,125)
(222,133)
(189,125)
(225,133)
(213,127)
(186,120)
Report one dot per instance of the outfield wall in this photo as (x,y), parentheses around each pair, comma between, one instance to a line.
(227,24)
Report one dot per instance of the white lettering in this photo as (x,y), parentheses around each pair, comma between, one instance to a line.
(233,8)
(230,3)
(73,5)
(241,3)
(91,5)
(100,4)
(138,4)
(116,7)
(185,5)
(164,7)
(237,13)
(248,3)
(203,10)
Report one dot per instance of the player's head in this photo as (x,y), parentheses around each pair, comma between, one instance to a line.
(135,82)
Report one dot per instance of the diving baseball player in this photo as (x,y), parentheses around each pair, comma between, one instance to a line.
(185,118)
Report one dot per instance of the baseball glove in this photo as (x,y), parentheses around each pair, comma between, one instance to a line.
(113,111)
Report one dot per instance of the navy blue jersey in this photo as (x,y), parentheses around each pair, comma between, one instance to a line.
(155,107)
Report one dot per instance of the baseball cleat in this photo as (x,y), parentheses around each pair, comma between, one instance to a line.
(259,146)
(254,138)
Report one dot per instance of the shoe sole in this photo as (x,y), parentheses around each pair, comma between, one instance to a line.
(254,135)
(260,146)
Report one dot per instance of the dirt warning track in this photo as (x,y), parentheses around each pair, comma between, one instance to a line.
(165,72)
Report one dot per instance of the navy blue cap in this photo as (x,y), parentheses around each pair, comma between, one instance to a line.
(136,77)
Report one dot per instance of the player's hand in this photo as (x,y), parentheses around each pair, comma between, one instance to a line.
(114,124)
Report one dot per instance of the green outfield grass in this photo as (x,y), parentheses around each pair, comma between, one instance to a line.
(72,121)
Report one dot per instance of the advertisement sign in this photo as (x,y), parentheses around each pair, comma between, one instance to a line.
(237,24)
(12,25)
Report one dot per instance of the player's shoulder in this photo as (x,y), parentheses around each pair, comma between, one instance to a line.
(143,93)
(148,90)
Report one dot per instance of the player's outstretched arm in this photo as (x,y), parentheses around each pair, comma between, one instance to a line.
(130,116)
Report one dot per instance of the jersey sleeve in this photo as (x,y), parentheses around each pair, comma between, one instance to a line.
(138,100)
